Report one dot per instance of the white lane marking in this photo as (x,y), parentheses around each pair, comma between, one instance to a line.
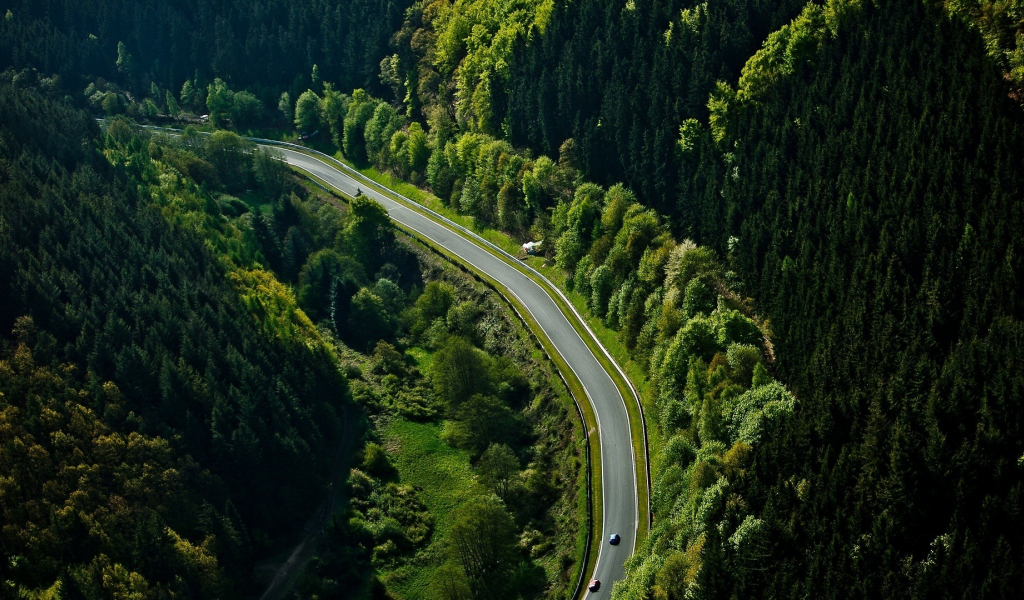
(334,172)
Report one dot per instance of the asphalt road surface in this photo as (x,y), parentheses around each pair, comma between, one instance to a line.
(618,465)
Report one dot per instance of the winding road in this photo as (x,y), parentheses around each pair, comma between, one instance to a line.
(619,481)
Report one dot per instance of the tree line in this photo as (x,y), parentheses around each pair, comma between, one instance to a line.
(848,168)
(266,48)
(193,400)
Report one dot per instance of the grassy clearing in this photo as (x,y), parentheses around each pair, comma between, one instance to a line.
(422,357)
(447,481)
(504,242)
(605,335)
(259,203)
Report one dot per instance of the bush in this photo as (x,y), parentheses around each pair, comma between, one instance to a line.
(698,299)
(375,461)
(368,320)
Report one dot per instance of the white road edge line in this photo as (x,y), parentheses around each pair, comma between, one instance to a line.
(519,265)
(597,415)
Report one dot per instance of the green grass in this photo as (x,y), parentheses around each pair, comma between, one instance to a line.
(503,241)
(447,481)
(413,580)
(257,202)
(424,198)
(423,358)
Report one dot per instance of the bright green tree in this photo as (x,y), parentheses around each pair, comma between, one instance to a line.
(334,108)
(369,233)
(172,105)
(307,112)
(284,105)
(458,371)
(220,101)
(418,149)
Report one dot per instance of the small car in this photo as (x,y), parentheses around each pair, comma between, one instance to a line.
(595,584)
(614,539)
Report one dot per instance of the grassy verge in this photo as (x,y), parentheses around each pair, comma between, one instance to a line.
(605,336)
(585,543)
(574,387)
(386,183)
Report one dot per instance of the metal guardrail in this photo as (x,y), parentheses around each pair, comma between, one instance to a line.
(481,240)
(579,410)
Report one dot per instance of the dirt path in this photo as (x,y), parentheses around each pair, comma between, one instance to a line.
(284,574)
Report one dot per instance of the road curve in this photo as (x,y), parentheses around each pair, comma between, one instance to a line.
(618,483)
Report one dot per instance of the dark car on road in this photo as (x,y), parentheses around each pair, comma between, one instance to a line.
(614,539)
(595,584)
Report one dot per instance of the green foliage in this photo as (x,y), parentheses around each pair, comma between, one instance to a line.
(269,171)
(368,319)
(378,131)
(284,105)
(757,409)
(369,233)
(173,108)
(418,151)
(745,361)
(360,110)
(482,543)
(581,278)
(231,157)
(267,49)
(734,328)
(698,299)
(308,115)
(602,284)
(435,301)
(384,521)
(689,136)
(190,96)
(173,341)
(498,469)
(699,337)
(375,461)
(481,420)
(760,376)
(219,101)
(333,110)
(458,372)
(578,227)
(246,109)
(688,262)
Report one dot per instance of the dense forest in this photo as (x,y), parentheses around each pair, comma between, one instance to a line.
(267,48)
(833,362)
(184,323)
(146,409)
(875,192)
